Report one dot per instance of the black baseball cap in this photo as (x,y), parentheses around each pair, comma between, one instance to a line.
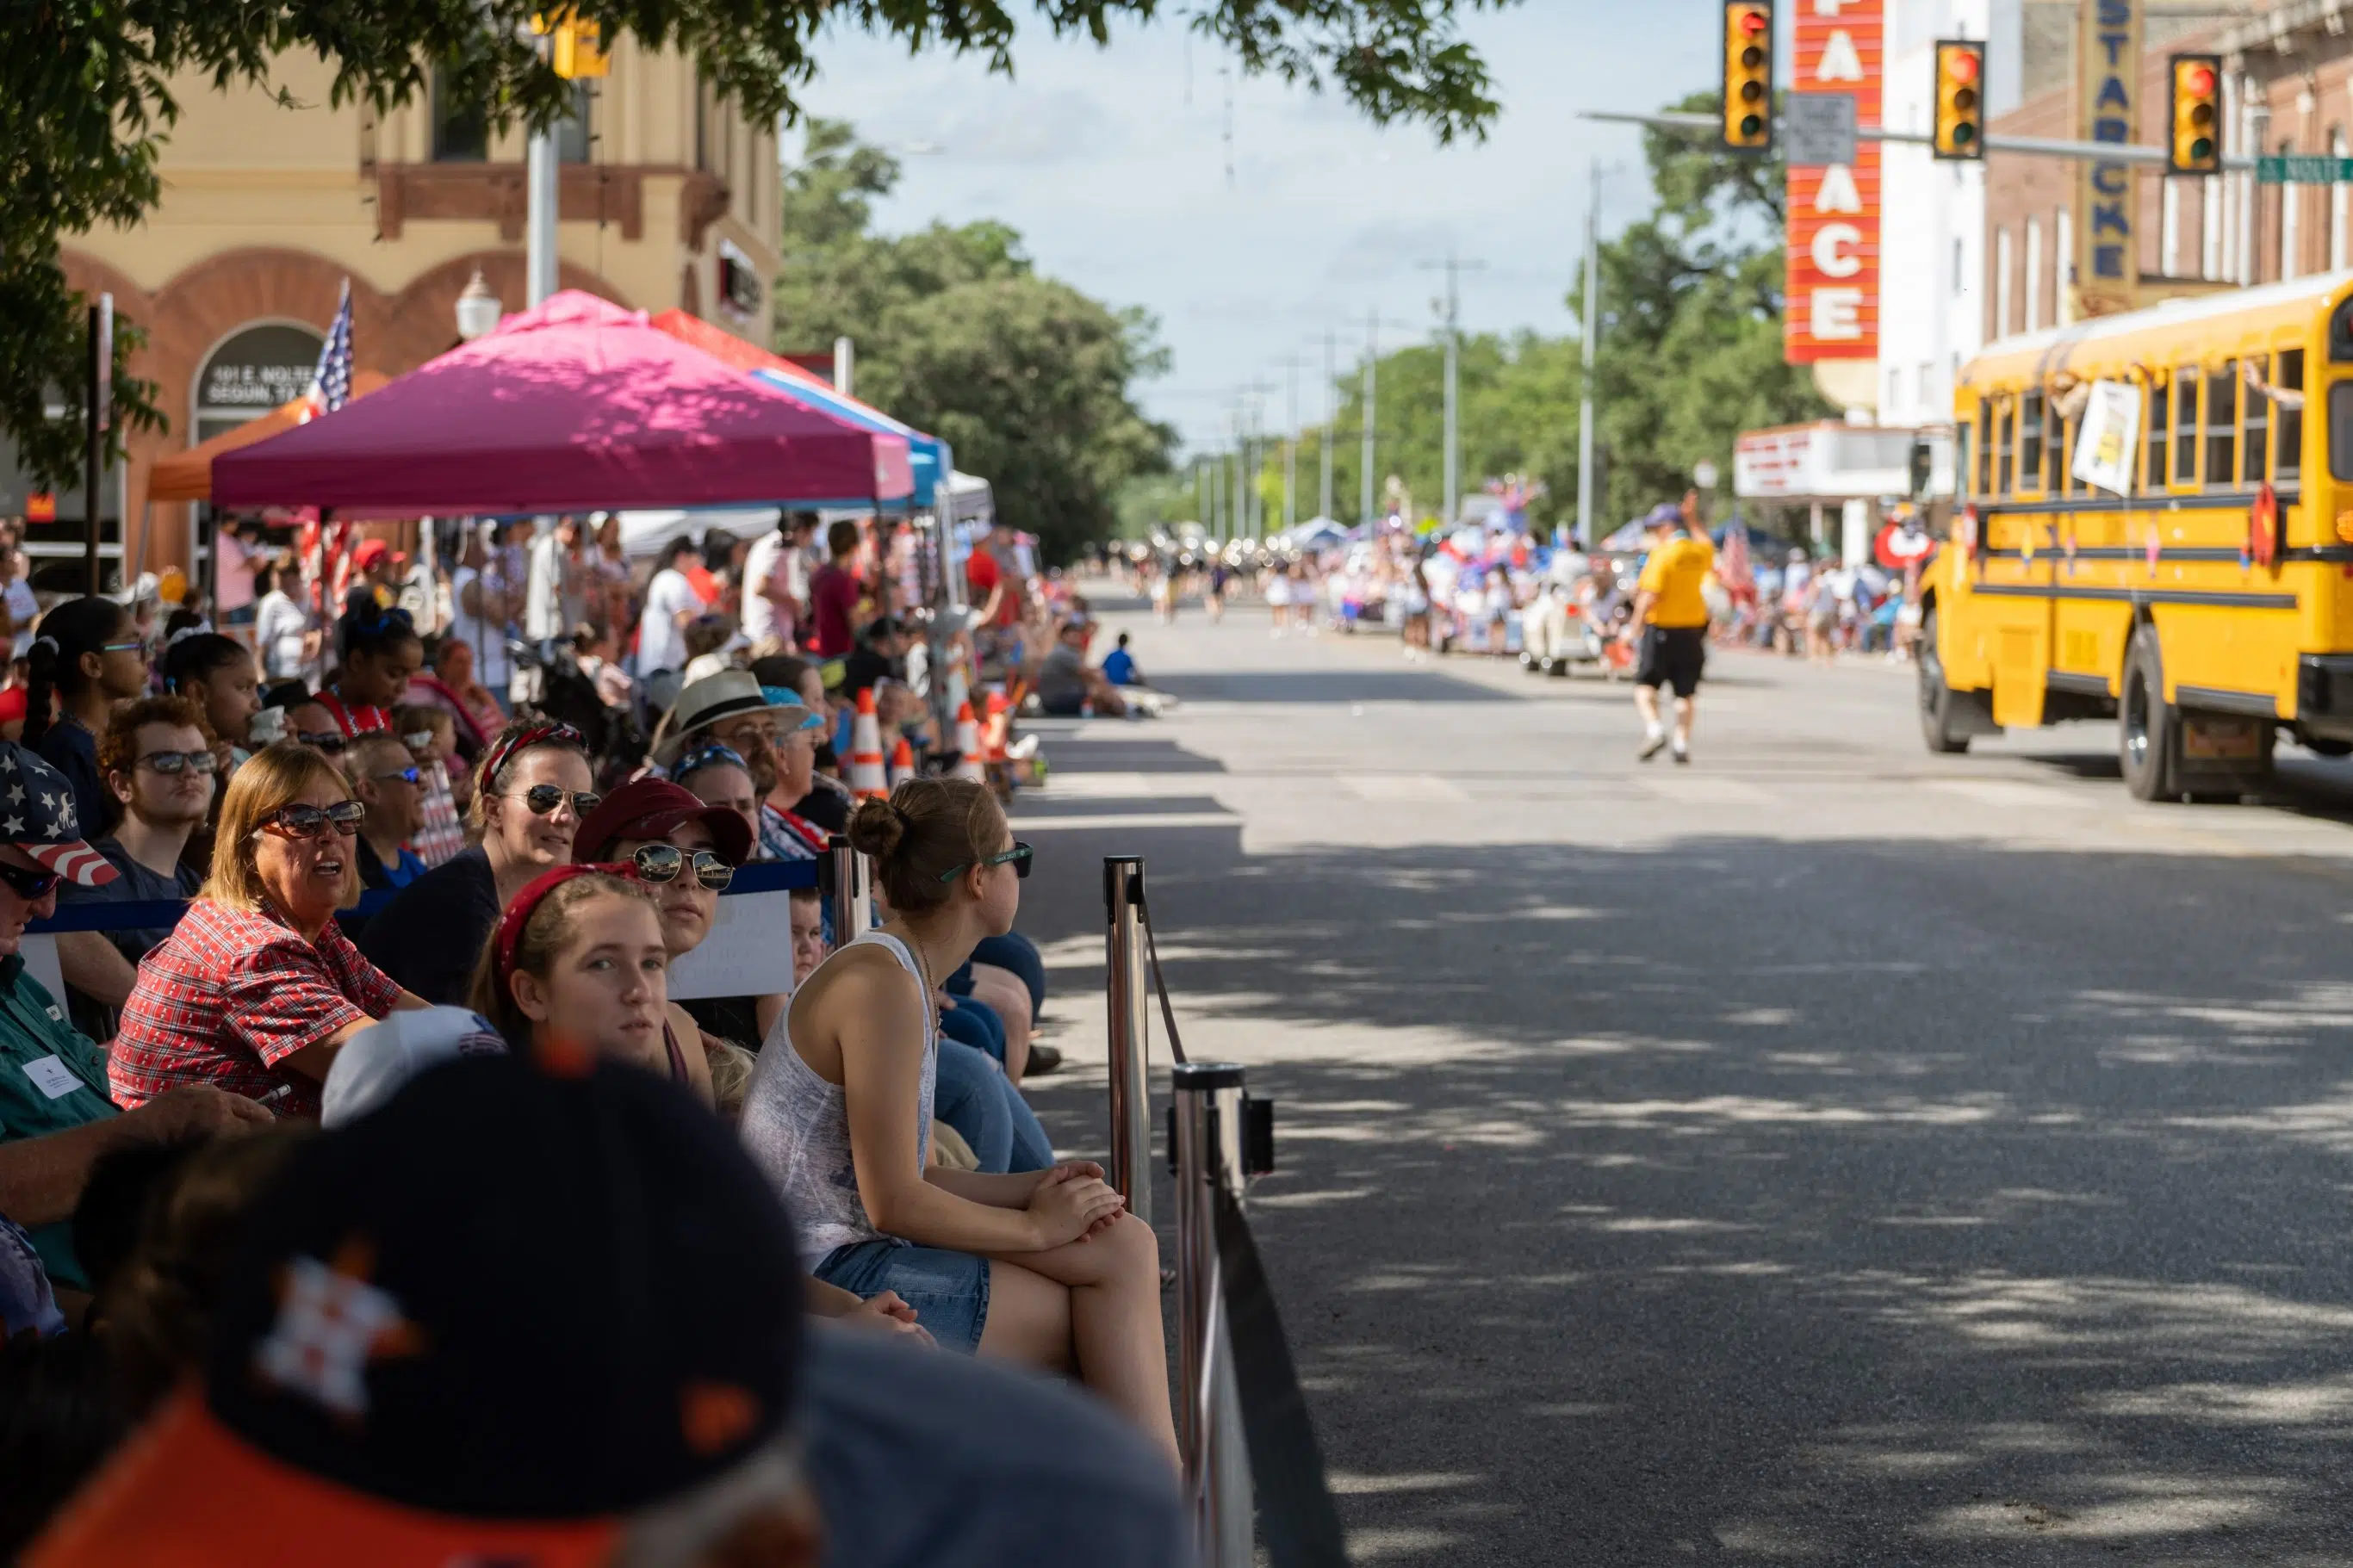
(529,1297)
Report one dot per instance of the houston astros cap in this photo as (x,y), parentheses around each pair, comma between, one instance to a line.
(487,1324)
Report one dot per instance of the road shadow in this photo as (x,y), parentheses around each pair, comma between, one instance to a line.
(1307,686)
(1742,1201)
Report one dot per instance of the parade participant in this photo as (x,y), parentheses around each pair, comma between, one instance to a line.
(87,654)
(525,1397)
(381,653)
(57,1117)
(1671,620)
(531,792)
(160,770)
(215,672)
(257,985)
(391,784)
(1042,1267)
(687,852)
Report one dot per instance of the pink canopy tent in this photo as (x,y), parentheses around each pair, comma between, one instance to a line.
(573,405)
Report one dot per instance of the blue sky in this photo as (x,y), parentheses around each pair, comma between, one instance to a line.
(1119,185)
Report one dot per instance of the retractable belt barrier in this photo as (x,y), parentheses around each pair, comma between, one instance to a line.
(1249,1446)
(739,958)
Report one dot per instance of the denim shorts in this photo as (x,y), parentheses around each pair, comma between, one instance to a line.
(949,1290)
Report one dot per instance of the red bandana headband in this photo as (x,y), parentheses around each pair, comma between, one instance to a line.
(504,751)
(526,903)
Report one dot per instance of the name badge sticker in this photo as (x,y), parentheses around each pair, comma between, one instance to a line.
(52,1077)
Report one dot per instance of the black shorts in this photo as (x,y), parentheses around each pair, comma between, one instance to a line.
(1672,656)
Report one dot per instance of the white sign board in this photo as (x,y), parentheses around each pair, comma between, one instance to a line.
(749,952)
(2107,437)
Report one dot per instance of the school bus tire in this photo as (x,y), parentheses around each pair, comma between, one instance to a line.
(2148,727)
(1937,726)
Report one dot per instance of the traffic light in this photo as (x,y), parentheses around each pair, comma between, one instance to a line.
(1748,75)
(1960,99)
(2197,147)
(578,51)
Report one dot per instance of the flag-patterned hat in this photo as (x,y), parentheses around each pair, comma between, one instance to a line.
(37,816)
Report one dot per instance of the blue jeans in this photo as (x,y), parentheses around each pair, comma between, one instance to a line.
(976,1025)
(1018,954)
(974,1096)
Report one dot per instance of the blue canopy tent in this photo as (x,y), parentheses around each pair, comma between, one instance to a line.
(928,456)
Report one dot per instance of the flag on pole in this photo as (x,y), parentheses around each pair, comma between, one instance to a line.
(331,387)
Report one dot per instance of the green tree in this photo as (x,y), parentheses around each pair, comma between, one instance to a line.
(86,102)
(1027,379)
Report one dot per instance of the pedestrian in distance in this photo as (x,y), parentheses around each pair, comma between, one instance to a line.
(1671,620)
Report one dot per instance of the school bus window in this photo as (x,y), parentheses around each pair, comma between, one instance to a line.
(2005,430)
(1965,460)
(1985,445)
(2340,335)
(2255,445)
(2221,425)
(2289,467)
(2030,442)
(2340,430)
(2185,425)
(2152,477)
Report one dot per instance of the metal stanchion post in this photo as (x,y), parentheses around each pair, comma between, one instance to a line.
(847,899)
(1209,1156)
(1131,1087)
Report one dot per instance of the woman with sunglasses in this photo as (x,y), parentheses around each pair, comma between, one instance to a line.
(532,792)
(256,987)
(1042,1267)
(687,852)
(89,655)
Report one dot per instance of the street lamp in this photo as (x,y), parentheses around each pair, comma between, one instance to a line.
(478,309)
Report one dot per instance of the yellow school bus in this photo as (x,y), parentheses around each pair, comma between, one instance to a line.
(2205,600)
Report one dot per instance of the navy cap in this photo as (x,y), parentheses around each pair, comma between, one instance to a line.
(38,817)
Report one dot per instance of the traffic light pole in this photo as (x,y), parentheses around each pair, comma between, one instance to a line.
(2031,146)
(1589,332)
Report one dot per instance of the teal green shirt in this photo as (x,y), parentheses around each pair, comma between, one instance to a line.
(51,1078)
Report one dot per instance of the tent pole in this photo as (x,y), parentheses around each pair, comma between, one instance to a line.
(319,580)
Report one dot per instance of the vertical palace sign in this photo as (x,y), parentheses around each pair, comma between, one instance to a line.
(1830,310)
(2108,109)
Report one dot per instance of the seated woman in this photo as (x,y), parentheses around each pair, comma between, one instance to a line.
(531,792)
(578,963)
(1042,1267)
(256,987)
(687,852)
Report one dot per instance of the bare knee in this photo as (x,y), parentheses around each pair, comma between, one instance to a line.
(1131,1251)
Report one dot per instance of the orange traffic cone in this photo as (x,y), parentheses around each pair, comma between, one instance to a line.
(969,763)
(903,762)
(866,775)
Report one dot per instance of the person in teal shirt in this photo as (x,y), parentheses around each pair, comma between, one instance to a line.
(56,1120)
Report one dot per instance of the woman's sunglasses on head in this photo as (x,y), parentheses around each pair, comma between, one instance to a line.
(663,862)
(543,798)
(1017,858)
(303,821)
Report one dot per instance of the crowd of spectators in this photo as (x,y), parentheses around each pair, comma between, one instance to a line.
(368,1182)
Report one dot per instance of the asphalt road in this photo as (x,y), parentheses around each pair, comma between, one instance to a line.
(1823,1153)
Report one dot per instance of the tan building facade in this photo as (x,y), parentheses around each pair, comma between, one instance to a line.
(2288,87)
(669,197)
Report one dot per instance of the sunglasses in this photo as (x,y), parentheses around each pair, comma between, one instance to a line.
(30,886)
(122,648)
(332,744)
(543,798)
(302,821)
(1017,858)
(663,862)
(173,763)
(405,775)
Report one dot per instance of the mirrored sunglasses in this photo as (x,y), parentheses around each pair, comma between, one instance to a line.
(663,862)
(543,798)
(303,821)
(173,763)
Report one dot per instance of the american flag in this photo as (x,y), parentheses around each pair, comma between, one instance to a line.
(331,387)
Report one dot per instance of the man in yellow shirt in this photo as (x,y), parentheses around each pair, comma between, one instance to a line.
(1670,617)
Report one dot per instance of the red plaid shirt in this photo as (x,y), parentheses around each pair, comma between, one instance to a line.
(230,993)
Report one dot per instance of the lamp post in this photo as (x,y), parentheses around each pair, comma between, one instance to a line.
(478,309)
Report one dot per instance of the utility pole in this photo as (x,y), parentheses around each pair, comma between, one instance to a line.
(539,226)
(1590,332)
(1290,444)
(1452,306)
(1331,419)
(1364,491)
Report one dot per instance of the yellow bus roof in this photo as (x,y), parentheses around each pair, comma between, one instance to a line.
(2265,305)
